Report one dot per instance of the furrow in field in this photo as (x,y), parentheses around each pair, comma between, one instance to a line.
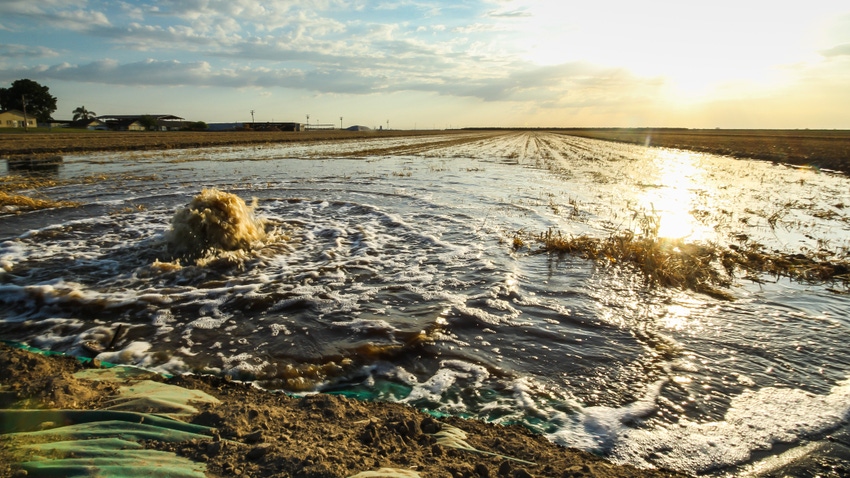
(413,147)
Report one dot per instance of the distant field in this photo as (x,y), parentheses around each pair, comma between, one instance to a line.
(828,149)
(58,141)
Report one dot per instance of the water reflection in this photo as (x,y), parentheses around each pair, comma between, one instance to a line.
(31,166)
(674,186)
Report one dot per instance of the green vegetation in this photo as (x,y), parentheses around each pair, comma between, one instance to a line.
(148,121)
(197,126)
(30,97)
(81,113)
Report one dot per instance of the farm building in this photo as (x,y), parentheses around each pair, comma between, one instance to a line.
(16,119)
(128,124)
(88,123)
(135,122)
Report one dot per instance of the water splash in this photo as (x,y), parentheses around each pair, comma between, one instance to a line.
(215,221)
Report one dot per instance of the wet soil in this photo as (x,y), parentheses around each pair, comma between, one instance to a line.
(260,433)
(829,149)
(824,149)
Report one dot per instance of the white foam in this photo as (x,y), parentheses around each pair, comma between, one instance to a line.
(162,317)
(757,420)
(135,353)
(240,364)
(450,372)
(367,325)
(208,323)
(56,336)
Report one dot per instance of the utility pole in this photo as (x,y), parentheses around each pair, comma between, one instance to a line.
(308,119)
(340,122)
(252,118)
(388,124)
(26,120)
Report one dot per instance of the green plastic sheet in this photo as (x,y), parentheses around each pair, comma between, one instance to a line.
(106,442)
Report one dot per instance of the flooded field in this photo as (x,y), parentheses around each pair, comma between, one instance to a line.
(416,270)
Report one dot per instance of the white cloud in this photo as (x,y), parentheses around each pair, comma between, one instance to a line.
(839,50)
(521,13)
(26,51)
(54,14)
(484,51)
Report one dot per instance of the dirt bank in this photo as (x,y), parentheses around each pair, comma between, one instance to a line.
(266,434)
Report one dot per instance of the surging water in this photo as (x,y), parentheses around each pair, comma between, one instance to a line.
(394,276)
(214,221)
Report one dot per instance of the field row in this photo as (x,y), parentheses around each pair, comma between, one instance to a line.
(822,149)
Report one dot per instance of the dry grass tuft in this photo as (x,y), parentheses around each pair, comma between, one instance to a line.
(11,202)
(18,203)
(16,183)
(664,262)
(703,268)
(821,266)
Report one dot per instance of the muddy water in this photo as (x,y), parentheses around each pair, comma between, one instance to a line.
(387,269)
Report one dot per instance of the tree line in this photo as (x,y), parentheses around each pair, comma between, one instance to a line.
(30,97)
(35,100)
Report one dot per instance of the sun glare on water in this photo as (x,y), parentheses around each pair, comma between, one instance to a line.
(672,192)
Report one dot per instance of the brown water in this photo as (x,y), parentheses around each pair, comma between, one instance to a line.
(387,269)
(215,221)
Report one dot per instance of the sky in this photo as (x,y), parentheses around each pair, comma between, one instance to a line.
(424,64)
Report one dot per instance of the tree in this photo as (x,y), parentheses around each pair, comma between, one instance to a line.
(30,96)
(81,113)
(148,121)
(197,126)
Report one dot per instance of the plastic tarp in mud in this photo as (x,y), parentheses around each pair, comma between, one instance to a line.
(109,441)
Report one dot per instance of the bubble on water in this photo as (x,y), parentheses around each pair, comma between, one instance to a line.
(367,325)
(208,323)
(162,317)
(278,328)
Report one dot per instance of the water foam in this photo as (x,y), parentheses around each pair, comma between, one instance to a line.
(756,420)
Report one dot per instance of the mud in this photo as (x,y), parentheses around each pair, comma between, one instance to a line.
(269,434)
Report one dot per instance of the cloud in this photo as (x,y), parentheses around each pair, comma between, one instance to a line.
(510,14)
(840,50)
(233,16)
(26,51)
(317,46)
(54,14)
(144,73)
(478,28)
(559,85)
(569,84)
(172,73)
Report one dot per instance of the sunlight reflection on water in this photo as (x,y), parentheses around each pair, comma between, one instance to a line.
(675,183)
(401,281)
